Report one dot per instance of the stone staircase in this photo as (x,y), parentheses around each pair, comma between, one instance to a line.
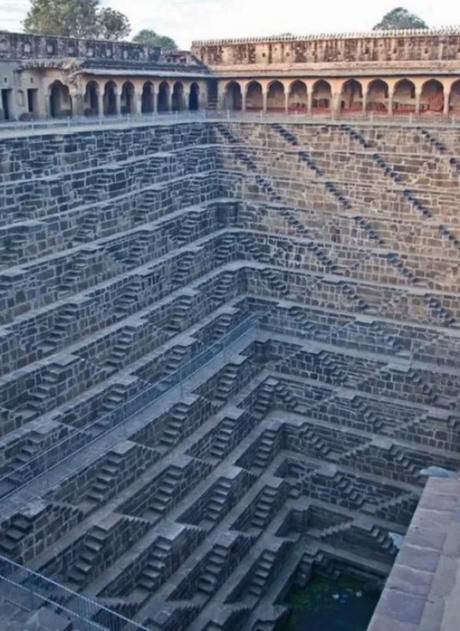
(65,319)
(92,545)
(181,312)
(13,536)
(219,501)
(104,483)
(265,506)
(215,566)
(183,267)
(176,424)
(226,382)
(127,301)
(87,228)
(155,568)
(221,291)
(168,486)
(120,352)
(221,440)
(441,148)
(265,448)
(262,572)
(274,280)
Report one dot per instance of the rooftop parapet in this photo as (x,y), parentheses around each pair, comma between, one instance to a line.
(24,47)
(290,37)
(375,46)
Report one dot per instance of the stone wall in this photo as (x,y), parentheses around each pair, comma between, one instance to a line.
(200,465)
(392,46)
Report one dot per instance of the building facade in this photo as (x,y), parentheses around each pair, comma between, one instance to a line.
(393,72)
(60,77)
(396,72)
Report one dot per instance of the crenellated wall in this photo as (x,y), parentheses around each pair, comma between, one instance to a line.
(384,47)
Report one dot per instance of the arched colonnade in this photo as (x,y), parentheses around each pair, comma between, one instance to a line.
(113,97)
(390,96)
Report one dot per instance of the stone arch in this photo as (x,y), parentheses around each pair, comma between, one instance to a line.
(321,96)
(276,99)
(177,99)
(233,96)
(377,96)
(254,97)
(127,98)
(351,98)
(110,98)
(404,100)
(432,97)
(194,97)
(91,98)
(454,98)
(148,98)
(164,92)
(60,100)
(298,97)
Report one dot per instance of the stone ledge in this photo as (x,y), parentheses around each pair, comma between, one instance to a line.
(423,590)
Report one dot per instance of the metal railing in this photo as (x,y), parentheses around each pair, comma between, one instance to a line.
(372,118)
(81,439)
(30,591)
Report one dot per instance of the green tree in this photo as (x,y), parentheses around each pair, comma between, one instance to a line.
(149,37)
(399,18)
(112,24)
(70,18)
(75,18)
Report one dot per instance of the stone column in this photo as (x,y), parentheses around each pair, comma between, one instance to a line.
(78,103)
(203,96)
(137,102)
(264,99)
(446,100)
(309,99)
(335,103)
(391,90)
(418,94)
(187,89)
(100,102)
(286,100)
(118,102)
(243,99)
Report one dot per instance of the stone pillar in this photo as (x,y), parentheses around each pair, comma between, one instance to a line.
(286,100)
(137,102)
(309,99)
(390,100)
(264,99)
(78,103)
(335,103)
(117,102)
(243,99)
(446,100)
(155,98)
(418,94)
(100,102)
(203,96)
(187,89)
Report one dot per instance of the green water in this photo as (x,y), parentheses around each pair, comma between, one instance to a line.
(325,605)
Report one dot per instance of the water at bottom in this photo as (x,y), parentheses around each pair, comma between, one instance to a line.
(327,605)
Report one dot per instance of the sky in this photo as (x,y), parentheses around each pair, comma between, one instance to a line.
(187,20)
